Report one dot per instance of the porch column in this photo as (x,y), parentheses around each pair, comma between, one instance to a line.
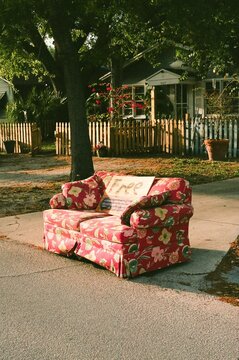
(153,103)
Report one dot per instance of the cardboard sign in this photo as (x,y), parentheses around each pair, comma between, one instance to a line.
(123,190)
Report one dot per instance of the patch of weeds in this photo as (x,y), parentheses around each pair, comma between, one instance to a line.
(217,284)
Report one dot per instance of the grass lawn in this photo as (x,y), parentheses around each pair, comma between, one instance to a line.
(196,170)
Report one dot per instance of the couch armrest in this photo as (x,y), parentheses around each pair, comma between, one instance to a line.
(145,202)
(58,201)
(180,190)
(166,215)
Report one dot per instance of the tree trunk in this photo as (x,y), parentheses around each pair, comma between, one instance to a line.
(116,71)
(81,153)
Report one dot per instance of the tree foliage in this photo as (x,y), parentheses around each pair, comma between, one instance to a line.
(208,31)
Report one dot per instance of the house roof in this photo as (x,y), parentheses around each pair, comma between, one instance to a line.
(165,77)
(139,71)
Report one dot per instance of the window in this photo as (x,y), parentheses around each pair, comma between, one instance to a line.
(181,101)
(3,103)
(134,103)
(171,101)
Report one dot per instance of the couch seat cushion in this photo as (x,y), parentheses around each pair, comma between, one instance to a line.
(109,228)
(70,219)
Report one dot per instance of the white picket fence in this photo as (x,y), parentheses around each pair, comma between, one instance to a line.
(27,136)
(169,136)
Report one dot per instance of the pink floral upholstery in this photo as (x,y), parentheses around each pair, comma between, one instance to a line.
(150,250)
(110,229)
(59,240)
(180,191)
(106,176)
(144,202)
(150,234)
(165,215)
(83,194)
(69,219)
(58,201)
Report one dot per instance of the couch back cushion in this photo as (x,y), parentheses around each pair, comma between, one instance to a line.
(179,188)
(84,194)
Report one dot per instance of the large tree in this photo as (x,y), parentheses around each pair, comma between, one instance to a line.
(86,34)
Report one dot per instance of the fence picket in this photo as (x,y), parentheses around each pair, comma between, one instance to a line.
(236,138)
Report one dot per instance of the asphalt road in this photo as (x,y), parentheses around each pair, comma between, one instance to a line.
(57,308)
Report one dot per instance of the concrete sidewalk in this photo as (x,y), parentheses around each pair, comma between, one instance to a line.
(213,227)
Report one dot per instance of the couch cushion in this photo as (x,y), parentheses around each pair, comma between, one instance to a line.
(179,189)
(109,228)
(144,202)
(164,216)
(83,194)
(69,219)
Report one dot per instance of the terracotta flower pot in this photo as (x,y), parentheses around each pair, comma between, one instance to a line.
(217,149)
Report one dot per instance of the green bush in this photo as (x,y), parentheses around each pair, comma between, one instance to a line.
(38,106)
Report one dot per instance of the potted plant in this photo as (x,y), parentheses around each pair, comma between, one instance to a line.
(217,149)
(219,105)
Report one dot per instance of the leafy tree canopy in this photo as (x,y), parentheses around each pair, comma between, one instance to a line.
(208,30)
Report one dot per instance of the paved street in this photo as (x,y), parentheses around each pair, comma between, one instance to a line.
(56,308)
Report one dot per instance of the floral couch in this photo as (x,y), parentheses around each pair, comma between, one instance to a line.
(150,234)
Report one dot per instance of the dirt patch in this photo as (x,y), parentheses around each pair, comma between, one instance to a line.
(27,183)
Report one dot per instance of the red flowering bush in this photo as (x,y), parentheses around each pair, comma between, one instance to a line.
(113,103)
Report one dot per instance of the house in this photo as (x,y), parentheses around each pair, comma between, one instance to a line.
(6,96)
(174,89)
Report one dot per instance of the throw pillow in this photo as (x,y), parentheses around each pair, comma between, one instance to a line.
(83,194)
